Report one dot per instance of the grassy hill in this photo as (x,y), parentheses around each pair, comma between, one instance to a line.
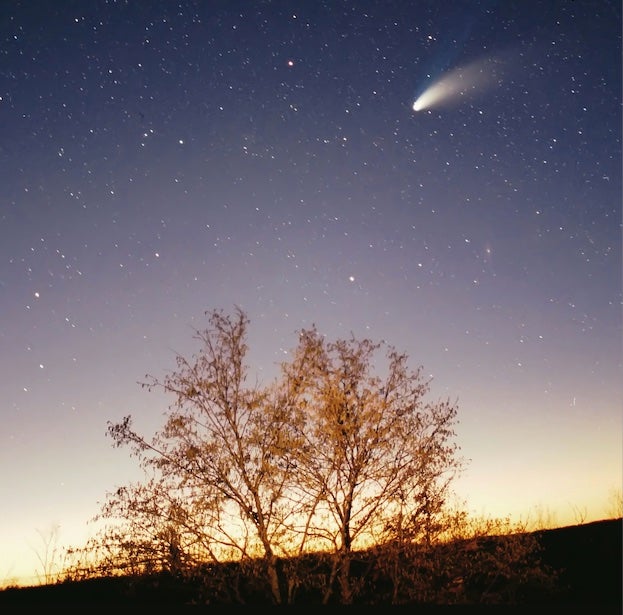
(589,557)
(586,557)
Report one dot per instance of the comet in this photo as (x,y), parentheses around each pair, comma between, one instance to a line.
(457,85)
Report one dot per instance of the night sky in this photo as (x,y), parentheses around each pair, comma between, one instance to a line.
(163,159)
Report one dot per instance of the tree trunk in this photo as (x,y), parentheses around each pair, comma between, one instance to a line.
(273,578)
(345,582)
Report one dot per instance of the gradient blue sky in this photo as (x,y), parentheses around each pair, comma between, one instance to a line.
(161,159)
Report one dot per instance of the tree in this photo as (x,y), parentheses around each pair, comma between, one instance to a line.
(329,457)
(49,553)
(376,457)
(219,467)
(615,503)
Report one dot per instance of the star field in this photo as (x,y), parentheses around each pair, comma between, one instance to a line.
(161,159)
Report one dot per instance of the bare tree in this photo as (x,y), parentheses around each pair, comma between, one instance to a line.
(48,553)
(375,456)
(330,457)
(615,503)
(579,514)
(220,464)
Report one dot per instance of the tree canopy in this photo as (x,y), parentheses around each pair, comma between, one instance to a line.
(342,451)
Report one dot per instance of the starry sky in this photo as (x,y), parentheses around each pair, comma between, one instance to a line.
(162,159)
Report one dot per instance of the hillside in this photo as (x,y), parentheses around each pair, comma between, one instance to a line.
(587,558)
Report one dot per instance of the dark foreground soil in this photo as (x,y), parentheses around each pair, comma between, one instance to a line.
(588,558)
